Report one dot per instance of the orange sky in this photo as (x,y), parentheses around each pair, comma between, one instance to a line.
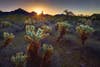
(49,10)
(86,7)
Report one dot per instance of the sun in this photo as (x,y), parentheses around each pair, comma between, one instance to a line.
(38,11)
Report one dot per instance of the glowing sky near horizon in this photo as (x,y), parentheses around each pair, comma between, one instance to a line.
(85,7)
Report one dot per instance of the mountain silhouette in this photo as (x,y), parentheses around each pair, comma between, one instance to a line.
(18,11)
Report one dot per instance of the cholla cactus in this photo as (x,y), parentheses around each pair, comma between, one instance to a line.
(64,24)
(47,48)
(43,49)
(19,59)
(28,38)
(62,28)
(47,51)
(5,34)
(30,30)
(84,28)
(39,33)
(8,38)
(84,31)
(11,35)
(8,35)
(42,32)
(28,21)
(46,28)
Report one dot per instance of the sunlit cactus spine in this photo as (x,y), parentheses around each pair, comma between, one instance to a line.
(84,31)
(47,55)
(39,33)
(30,30)
(42,32)
(46,29)
(19,59)
(63,24)
(5,34)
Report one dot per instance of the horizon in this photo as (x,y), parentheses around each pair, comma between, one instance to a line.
(52,7)
(48,13)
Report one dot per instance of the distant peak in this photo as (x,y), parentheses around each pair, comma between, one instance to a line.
(0,11)
(19,9)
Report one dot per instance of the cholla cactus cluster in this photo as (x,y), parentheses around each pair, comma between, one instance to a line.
(84,28)
(39,34)
(47,51)
(84,31)
(64,24)
(19,58)
(8,35)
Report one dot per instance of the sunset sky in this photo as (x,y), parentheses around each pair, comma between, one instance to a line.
(86,7)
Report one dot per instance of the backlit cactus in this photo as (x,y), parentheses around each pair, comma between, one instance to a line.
(62,28)
(47,51)
(8,38)
(5,34)
(46,47)
(19,59)
(28,38)
(43,32)
(39,34)
(30,30)
(85,28)
(46,29)
(64,24)
(33,58)
(84,31)
(8,35)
